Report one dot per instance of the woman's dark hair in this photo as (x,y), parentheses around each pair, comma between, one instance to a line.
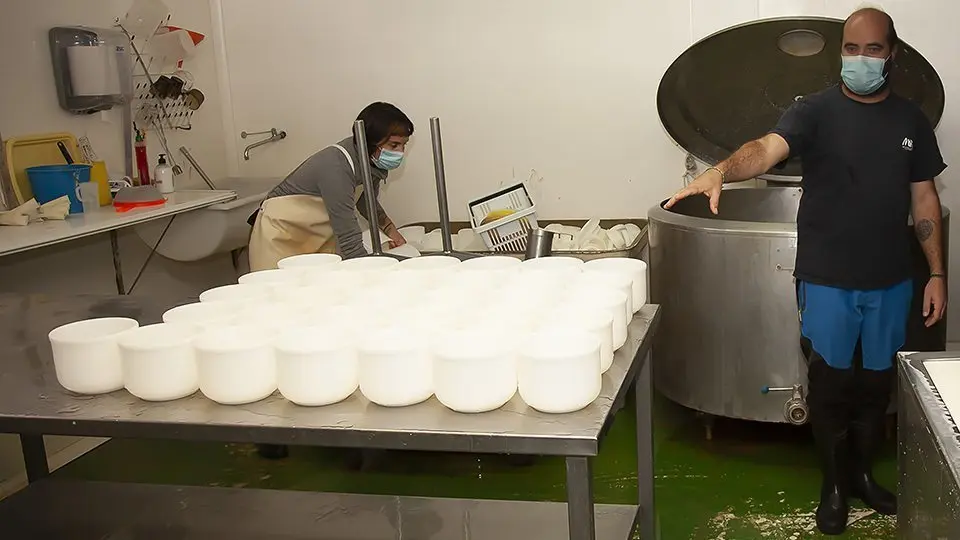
(382,121)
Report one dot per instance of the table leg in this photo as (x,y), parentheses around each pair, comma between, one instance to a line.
(153,251)
(117,269)
(580,499)
(34,457)
(645,478)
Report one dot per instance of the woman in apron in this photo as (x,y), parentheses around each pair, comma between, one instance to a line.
(314,209)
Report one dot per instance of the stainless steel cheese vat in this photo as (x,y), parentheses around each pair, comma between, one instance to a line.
(729,328)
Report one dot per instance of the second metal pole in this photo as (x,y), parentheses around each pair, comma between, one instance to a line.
(441,185)
(360,134)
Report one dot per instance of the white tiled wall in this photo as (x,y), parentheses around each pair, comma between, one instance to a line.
(709,16)
(565,87)
(783,8)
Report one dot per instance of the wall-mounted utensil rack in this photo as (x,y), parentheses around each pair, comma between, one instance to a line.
(171,112)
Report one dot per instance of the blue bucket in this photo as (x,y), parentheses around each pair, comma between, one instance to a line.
(50,182)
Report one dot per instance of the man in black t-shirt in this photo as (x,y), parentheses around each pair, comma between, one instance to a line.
(869,160)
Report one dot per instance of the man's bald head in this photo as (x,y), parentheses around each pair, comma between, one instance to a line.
(867,28)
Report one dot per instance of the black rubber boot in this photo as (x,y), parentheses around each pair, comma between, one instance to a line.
(833,509)
(866,435)
(828,396)
(273,451)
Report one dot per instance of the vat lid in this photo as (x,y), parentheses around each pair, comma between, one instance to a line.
(732,86)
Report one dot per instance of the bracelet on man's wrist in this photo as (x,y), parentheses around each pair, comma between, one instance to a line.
(723,177)
(937,275)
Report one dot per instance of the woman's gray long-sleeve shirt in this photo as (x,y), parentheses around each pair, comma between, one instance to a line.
(327,174)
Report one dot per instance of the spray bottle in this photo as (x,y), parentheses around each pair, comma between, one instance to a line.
(143,168)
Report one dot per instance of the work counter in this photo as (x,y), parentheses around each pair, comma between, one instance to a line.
(107,220)
(33,404)
(104,219)
(929,453)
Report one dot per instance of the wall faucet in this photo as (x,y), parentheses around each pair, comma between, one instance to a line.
(274,136)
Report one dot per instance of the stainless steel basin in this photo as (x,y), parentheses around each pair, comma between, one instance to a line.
(730,327)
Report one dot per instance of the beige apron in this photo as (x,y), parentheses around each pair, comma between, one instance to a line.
(293,225)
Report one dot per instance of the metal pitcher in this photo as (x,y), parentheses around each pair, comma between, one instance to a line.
(539,243)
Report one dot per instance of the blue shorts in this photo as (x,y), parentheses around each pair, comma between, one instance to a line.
(834,319)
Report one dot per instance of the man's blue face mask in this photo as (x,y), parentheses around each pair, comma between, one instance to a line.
(863,75)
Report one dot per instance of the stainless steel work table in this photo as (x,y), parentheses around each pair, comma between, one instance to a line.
(33,404)
(929,453)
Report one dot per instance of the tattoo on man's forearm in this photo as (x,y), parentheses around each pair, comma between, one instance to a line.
(924,229)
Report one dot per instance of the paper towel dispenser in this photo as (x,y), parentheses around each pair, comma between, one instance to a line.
(88,66)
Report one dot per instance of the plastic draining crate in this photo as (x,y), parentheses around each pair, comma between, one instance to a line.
(504,218)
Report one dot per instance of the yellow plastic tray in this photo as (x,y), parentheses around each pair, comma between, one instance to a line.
(33,150)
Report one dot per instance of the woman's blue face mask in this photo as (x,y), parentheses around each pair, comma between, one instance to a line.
(388,159)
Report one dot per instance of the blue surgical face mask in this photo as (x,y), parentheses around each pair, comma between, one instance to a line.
(863,75)
(388,159)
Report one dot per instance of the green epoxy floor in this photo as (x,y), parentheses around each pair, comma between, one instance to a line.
(752,481)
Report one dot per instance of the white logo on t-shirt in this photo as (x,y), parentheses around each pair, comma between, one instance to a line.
(907,144)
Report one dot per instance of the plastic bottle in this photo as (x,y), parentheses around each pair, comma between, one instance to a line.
(143,168)
(163,175)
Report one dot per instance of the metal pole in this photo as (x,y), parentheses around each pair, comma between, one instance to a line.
(186,153)
(360,134)
(117,267)
(441,185)
(126,114)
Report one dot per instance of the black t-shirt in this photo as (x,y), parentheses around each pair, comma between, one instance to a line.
(858,163)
